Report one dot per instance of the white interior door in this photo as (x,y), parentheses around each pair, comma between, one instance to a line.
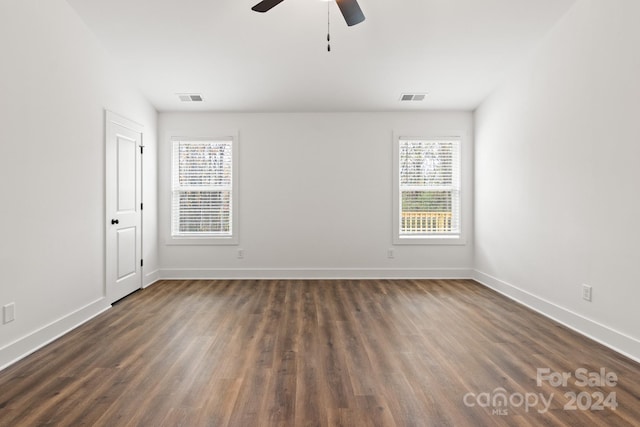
(123,204)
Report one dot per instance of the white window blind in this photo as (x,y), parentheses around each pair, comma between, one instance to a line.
(429,187)
(202,189)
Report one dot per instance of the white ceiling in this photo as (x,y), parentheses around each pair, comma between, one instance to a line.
(240,60)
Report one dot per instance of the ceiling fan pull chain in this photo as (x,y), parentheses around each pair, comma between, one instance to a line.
(328,29)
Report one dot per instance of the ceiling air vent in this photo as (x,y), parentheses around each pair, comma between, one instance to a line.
(413,96)
(190,97)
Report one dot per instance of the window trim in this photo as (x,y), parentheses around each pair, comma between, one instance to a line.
(208,240)
(425,240)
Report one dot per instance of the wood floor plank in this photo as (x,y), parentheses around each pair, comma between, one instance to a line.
(314,353)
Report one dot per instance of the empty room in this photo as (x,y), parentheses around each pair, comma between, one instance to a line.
(320,213)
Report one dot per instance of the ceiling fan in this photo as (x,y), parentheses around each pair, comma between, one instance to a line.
(349,8)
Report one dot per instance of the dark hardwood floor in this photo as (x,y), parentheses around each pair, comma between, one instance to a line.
(319,353)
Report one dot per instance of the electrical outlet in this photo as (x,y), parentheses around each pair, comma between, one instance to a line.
(9,312)
(586,292)
(391,253)
(240,253)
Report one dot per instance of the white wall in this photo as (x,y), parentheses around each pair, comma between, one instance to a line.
(55,83)
(315,196)
(557,176)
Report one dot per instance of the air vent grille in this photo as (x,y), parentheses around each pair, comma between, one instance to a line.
(413,97)
(190,97)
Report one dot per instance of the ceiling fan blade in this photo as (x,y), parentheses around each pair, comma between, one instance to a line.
(351,11)
(265,5)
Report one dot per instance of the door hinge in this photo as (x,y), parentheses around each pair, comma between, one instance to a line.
(141,206)
(141,263)
(142,149)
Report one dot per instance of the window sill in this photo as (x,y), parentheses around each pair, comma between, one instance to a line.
(430,241)
(202,241)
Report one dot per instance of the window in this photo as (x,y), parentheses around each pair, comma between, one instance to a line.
(427,190)
(203,195)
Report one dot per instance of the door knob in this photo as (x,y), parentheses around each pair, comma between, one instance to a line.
(115,221)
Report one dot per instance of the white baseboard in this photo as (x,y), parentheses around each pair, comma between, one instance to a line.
(315,273)
(32,342)
(615,340)
(150,278)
